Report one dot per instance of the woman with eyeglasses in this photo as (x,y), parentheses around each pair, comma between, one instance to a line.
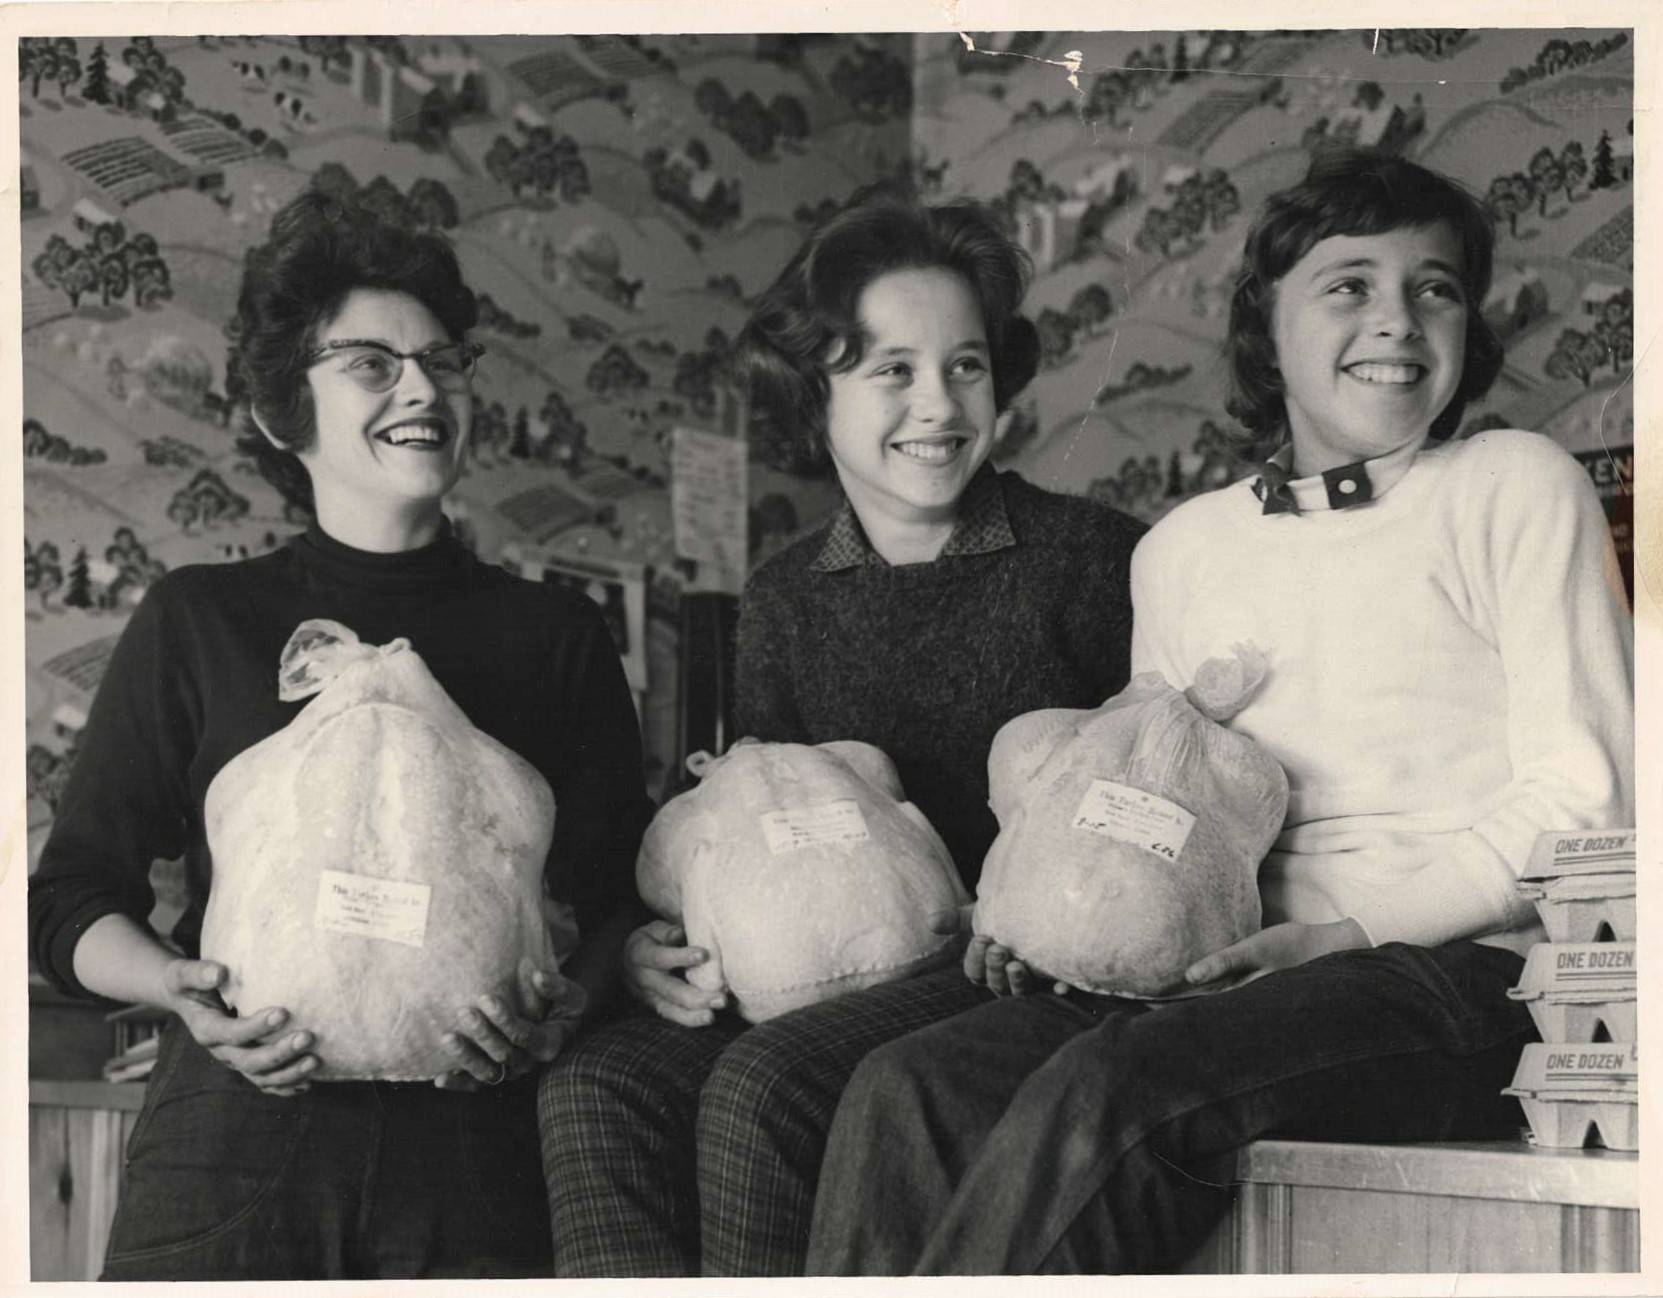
(350,345)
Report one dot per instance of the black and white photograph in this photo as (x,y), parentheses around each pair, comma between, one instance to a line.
(1127,769)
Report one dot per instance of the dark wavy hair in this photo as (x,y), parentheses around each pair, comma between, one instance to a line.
(806,325)
(1349,192)
(321,247)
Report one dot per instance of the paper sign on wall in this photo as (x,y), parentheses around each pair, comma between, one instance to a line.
(709,502)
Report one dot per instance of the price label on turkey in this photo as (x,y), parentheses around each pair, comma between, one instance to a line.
(830,822)
(1133,816)
(390,909)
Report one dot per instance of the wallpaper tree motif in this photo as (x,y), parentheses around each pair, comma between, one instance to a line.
(618,200)
(1132,190)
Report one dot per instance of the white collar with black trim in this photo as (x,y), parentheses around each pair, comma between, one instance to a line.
(1343,487)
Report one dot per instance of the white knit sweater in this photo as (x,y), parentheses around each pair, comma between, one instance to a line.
(1451,672)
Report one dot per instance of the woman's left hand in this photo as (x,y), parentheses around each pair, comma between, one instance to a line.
(495,1043)
(1281,946)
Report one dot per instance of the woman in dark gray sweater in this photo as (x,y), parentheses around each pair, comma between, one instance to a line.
(942,600)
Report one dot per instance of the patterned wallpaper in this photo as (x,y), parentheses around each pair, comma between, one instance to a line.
(1132,186)
(615,200)
(618,200)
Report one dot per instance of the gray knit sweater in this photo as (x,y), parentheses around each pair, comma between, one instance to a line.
(1027,607)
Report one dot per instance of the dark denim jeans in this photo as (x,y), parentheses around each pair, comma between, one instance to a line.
(350,1179)
(1082,1134)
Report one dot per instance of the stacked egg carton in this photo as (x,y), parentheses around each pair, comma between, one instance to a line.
(1580,987)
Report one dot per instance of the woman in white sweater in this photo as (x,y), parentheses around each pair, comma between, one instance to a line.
(1450,673)
(1449,676)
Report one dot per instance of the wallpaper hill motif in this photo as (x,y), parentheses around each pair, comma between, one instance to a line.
(618,200)
(615,201)
(1133,193)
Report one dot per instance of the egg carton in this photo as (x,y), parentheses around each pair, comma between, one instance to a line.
(1597,1071)
(1568,1018)
(1583,907)
(1581,851)
(1570,1090)
(1574,988)
(1560,1122)
(1606,967)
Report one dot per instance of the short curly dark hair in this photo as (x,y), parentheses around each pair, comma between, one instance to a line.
(321,247)
(1349,192)
(810,313)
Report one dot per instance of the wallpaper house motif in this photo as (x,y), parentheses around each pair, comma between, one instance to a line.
(1133,187)
(615,201)
(618,201)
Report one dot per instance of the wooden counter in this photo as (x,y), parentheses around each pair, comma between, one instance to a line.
(1308,1207)
(1303,1207)
(77,1134)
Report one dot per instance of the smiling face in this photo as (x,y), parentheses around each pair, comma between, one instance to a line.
(381,461)
(909,426)
(1370,335)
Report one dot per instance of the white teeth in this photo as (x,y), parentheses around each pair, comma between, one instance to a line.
(1378,372)
(413,435)
(929,452)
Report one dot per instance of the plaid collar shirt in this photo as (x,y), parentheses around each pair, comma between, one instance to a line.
(982,527)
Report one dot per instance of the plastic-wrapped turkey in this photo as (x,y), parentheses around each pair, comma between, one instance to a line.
(803,872)
(377,863)
(1130,835)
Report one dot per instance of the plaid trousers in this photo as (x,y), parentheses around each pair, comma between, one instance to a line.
(678,1151)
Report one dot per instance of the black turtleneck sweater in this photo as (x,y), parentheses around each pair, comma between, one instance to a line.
(193,682)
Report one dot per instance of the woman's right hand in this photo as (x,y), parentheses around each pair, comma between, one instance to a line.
(278,1065)
(656,956)
(989,963)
